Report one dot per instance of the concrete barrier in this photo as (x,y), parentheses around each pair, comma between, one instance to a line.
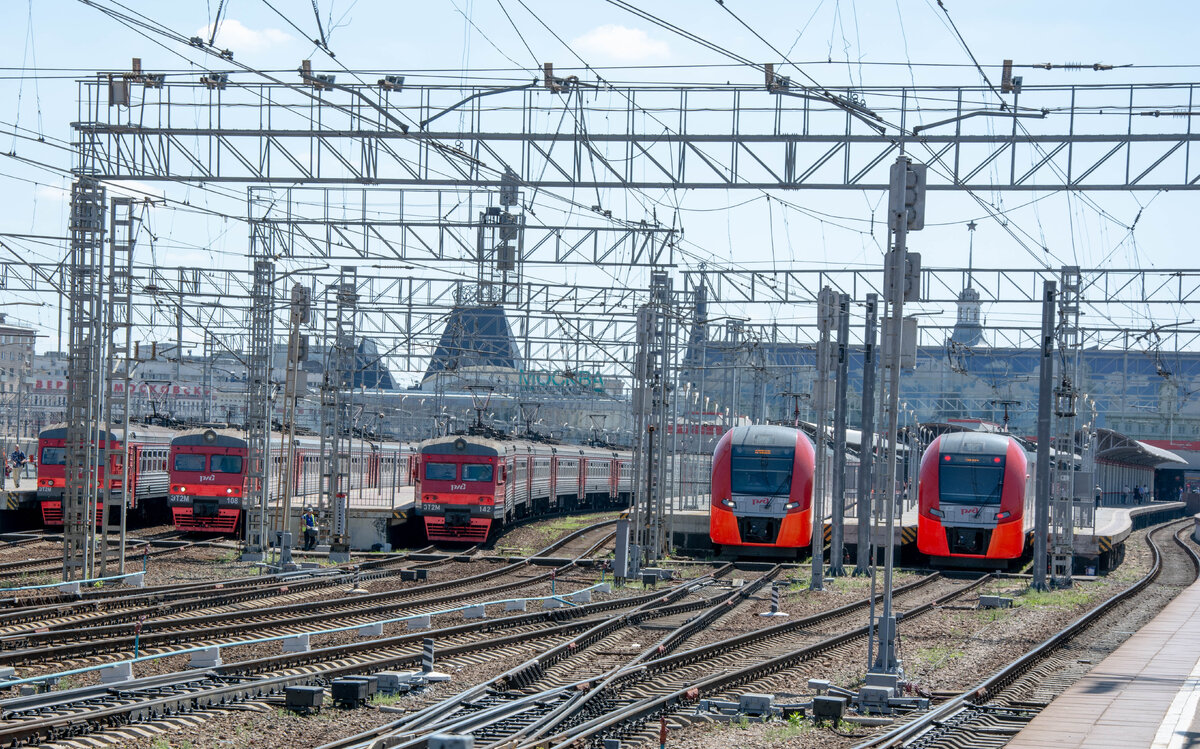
(116,672)
(418,622)
(296,644)
(374,629)
(209,657)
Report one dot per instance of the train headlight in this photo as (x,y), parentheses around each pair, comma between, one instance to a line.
(1005,515)
(936,512)
(791,505)
(727,502)
(182,489)
(229,490)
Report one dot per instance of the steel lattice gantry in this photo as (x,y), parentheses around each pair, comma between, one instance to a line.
(407,308)
(1098,137)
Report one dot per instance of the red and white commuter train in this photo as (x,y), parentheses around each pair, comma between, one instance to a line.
(975,499)
(208,474)
(145,453)
(468,487)
(762,484)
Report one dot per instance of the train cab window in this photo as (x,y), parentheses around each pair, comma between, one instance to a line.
(441,471)
(54,456)
(970,480)
(477,472)
(226,464)
(189,462)
(766,471)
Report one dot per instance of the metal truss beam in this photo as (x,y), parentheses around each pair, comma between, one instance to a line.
(435,225)
(1128,137)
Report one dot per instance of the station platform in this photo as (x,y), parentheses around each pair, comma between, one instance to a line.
(372,515)
(1145,694)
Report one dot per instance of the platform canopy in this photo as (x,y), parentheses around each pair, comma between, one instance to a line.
(1118,448)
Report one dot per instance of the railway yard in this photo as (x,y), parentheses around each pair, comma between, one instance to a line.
(538,649)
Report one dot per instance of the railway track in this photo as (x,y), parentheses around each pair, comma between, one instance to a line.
(992,712)
(76,647)
(536,701)
(47,717)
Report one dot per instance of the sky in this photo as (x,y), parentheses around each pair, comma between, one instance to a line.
(49,44)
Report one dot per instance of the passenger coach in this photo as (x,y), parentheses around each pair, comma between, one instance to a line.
(468,487)
(975,498)
(145,454)
(208,476)
(762,484)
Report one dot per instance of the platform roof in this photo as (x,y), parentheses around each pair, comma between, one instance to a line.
(1118,448)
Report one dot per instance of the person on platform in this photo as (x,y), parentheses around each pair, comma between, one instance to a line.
(17,460)
(1099,496)
(1145,492)
(1125,494)
(310,529)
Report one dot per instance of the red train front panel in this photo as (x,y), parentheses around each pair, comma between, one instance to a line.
(52,472)
(972,497)
(207,478)
(460,489)
(761,490)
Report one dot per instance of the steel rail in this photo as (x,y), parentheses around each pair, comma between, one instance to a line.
(651,707)
(69,725)
(113,638)
(1005,676)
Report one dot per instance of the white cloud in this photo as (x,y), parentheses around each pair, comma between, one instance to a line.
(135,189)
(51,193)
(234,36)
(622,44)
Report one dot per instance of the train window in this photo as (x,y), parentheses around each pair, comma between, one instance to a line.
(753,472)
(477,472)
(441,471)
(189,462)
(227,464)
(971,484)
(54,456)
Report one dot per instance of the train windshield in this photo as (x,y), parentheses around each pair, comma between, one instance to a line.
(970,480)
(441,471)
(227,464)
(189,462)
(765,471)
(54,456)
(477,472)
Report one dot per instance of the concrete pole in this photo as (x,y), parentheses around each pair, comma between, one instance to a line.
(1041,520)
(867,447)
(837,535)
(886,660)
(826,306)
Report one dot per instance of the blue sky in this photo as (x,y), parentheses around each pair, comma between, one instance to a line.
(837,42)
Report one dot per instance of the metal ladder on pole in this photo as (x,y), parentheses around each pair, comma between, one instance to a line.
(86,301)
(123,227)
(258,415)
(341,301)
(1062,508)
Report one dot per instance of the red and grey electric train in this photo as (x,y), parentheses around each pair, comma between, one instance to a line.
(208,474)
(762,484)
(975,499)
(468,487)
(145,454)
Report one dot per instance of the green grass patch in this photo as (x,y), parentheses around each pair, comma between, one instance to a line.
(937,655)
(1076,595)
(387,699)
